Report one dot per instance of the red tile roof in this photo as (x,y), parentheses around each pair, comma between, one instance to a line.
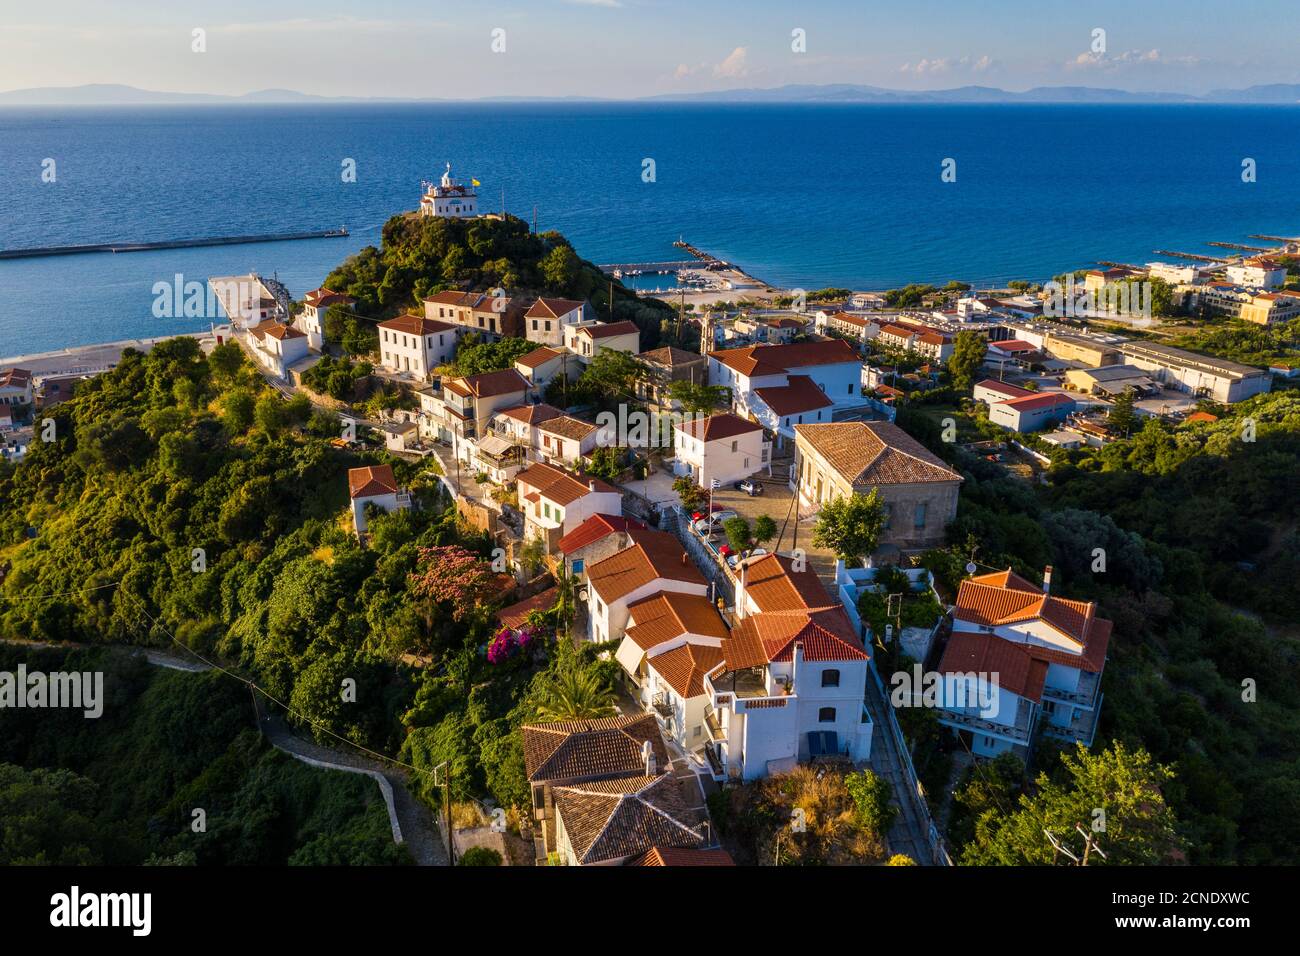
(538,357)
(876,453)
(653,555)
(515,616)
(1010,664)
(793,607)
(799,396)
(683,668)
(1004,597)
(1031,403)
(589,749)
(1004,388)
(416,325)
(491,384)
(679,856)
(15,378)
(560,486)
(324,297)
(670,614)
(1014,345)
(755,360)
(552,308)
(595,528)
(614,819)
(531,414)
(372,480)
(604,330)
(718,427)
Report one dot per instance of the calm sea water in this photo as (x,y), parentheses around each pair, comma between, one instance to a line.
(807,195)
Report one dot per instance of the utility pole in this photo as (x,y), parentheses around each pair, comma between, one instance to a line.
(445,767)
(1089,846)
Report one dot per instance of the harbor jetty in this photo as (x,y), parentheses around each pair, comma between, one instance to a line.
(170,244)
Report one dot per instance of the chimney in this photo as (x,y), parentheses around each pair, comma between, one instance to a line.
(740,590)
(796,666)
(1047,579)
(591,485)
(648,758)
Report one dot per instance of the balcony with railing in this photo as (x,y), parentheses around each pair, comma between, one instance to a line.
(1019,731)
(1084,696)
(1082,726)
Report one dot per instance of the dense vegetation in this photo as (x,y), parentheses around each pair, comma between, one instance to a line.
(172,452)
(123,788)
(1197,527)
(421,256)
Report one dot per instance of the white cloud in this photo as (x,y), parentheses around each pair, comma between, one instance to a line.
(939,65)
(346,25)
(1129,58)
(734,65)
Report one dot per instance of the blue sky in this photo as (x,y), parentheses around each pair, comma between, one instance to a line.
(626,48)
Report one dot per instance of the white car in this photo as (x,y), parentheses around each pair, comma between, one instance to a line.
(711,524)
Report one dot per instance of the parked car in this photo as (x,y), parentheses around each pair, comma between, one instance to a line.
(749,486)
(712,524)
(734,559)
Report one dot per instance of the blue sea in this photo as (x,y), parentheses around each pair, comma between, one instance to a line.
(798,195)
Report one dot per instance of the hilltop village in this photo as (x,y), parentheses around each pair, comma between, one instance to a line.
(743,543)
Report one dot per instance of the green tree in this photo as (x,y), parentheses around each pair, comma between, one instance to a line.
(739,535)
(1122,417)
(967,359)
(764,529)
(1127,786)
(559,268)
(575,692)
(226,360)
(851,526)
(696,398)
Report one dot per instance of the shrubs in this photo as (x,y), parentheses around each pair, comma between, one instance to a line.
(480,856)
(810,816)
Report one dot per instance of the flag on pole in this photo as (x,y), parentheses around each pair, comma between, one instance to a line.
(476,182)
(714,483)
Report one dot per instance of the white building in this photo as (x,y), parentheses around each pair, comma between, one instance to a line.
(277,346)
(311,320)
(1176,273)
(449,198)
(415,344)
(670,641)
(565,440)
(585,341)
(780,408)
(724,447)
(15,387)
(555,502)
(374,485)
(792,683)
(541,366)
(756,373)
(1215,378)
(546,320)
(653,563)
(460,411)
(1258,274)
(1020,657)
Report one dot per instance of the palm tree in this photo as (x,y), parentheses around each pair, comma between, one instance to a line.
(576,693)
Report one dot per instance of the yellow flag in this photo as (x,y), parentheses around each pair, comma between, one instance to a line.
(476,182)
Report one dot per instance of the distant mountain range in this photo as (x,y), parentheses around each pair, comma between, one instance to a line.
(100,94)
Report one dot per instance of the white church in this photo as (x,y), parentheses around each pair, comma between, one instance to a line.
(449,198)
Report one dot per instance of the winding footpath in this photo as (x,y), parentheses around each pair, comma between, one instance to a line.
(411,820)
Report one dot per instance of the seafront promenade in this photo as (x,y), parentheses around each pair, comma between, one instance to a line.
(95,358)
